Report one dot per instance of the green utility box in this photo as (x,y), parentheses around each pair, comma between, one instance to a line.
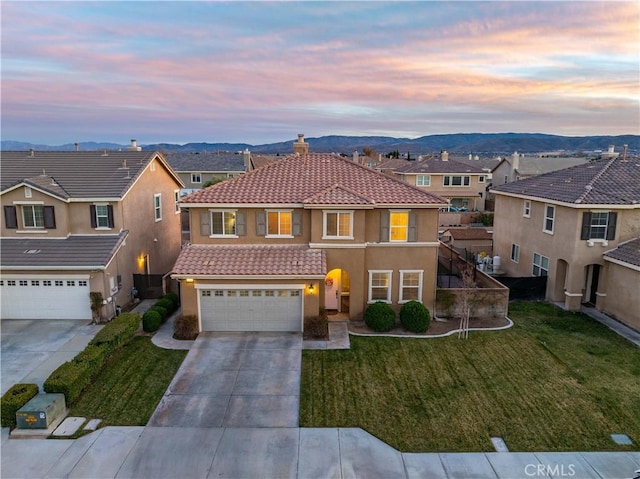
(41,411)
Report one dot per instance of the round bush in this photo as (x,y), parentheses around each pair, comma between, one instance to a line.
(166,304)
(414,316)
(151,321)
(380,317)
(173,297)
(161,311)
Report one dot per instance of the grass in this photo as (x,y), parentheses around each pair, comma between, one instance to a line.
(129,388)
(556,381)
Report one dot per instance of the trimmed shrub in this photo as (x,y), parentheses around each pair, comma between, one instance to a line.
(117,332)
(185,327)
(151,320)
(164,314)
(173,297)
(317,327)
(17,396)
(380,317)
(70,379)
(414,316)
(92,356)
(166,304)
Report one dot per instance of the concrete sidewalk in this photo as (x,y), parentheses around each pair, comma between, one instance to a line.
(184,452)
(616,326)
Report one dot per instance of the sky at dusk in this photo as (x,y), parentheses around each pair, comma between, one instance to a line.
(261,72)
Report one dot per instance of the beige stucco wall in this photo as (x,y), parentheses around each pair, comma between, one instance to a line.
(622,300)
(564,245)
(61,211)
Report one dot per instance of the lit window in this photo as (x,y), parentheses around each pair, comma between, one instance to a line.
(549,218)
(526,211)
(540,265)
(410,286)
(33,216)
(398,226)
(423,180)
(196,178)
(283,293)
(338,224)
(279,223)
(157,205)
(223,223)
(380,286)
(515,252)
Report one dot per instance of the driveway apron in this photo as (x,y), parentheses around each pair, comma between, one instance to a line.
(235,380)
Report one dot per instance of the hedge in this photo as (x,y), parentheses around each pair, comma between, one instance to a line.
(164,314)
(72,377)
(151,320)
(173,297)
(17,396)
(380,317)
(166,304)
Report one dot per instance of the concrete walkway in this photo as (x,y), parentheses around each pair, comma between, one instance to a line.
(623,330)
(185,452)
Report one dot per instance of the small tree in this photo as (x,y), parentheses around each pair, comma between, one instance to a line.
(97,301)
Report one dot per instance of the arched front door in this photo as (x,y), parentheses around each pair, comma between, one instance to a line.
(336,291)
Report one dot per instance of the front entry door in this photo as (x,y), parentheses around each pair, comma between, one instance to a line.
(595,275)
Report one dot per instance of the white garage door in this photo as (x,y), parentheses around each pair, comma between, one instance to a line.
(251,309)
(51,298)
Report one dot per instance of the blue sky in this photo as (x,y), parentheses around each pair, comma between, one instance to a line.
(261,72)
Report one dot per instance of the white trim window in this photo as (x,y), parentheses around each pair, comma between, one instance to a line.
(457,180)
(549,218)
(157,206)
(540,265)
(515,252)
(33,216)
(176,200)
(196,178)
(223,223)
(598,226)
(279,223)
(380,285)
(102,216)
(399,226)
(410,285)
(481,179)
(526,209)
(423,180)
(337,225)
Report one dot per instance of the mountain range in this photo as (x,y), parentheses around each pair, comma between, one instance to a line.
(461,143)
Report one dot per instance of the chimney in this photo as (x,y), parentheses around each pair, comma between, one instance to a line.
(444,155)
(611,148)
(77,145)
(246,157)
(300,147)
(515,163)
(32,152)
(134,146)
(356,157)
(470,156)
(624,152)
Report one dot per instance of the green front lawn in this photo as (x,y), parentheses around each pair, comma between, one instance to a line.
(555,381)
(131,385)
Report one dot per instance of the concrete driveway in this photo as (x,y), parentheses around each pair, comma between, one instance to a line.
(235,380)
(32,349)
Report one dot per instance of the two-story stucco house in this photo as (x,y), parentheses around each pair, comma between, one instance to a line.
(562,225)
(462,184)
(196,169)
(81,222)
(311,230)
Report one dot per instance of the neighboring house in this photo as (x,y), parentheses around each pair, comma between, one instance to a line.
(462,184)
(474,239)
(196,169)
(81,222)
(520,167)
(622,266)
(275,245)
(563,225)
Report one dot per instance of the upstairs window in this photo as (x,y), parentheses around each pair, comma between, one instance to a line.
(457,180)
(279,223)
(398,225)
(157,206)
(526,209)
(196,178)
(549,218)
(176,201)
(338,224)
(599,225)
(423,180)
(33,216)
(480,179)
(223,223)
(101,216)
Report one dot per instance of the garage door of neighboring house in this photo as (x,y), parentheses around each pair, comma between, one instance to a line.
(44,298)
(255,309)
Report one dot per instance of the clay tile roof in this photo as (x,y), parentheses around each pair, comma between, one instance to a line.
(469,233)
(602,182)
(337,195)
(250,260)
(297,178)
(628,252)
